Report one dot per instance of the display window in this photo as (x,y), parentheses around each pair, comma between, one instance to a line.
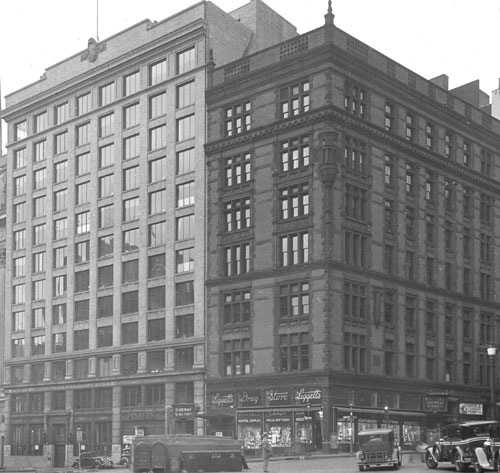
(411,433)
(303,428)
(279,427)
(366,424)
(250,430)
(394,425)
(345,430)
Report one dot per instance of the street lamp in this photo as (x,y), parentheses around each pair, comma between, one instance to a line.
(492,351)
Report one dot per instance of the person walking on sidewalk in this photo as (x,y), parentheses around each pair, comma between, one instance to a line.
(267,451)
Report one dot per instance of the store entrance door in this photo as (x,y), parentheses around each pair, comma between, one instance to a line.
(59,436)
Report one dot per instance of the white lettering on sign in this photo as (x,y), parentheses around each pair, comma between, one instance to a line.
(306,396)
(220,400)
(277,396)
(246,398)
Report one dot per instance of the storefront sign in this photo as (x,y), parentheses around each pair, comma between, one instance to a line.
(139,415)
(308,396)
(435,403)
(183,411)
(277,397)
(250,398)
(470,409)
(278,416)
(222,400)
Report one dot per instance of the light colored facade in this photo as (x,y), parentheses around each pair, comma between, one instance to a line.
(352,276)
(105,184)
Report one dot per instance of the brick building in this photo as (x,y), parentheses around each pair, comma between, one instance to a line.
(105,324)
(352,275)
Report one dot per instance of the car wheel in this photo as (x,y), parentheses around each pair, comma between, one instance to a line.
(76,465)
(478,468)
(459,466)
(429,461)
(361,468)
(124,463)
(97,465)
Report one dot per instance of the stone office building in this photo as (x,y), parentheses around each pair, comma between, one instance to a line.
(105,307)
(352,276)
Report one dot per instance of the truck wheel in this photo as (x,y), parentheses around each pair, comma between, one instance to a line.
(430,462)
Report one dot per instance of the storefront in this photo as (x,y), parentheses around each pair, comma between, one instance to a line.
(292,416)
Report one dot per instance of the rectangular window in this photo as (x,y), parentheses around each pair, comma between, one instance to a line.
(20,130)
(19,212)
(106,125)
(38,290)
(131,147)
(105,246)
(294,249)
(157,170)
(184,260)
(132,83)
(83,193)
(355,100)
(19,266)
(39,206)
(106,155)
(236,259)
(82,251)
(410,127)
(185,60)
(157,105)
(185,94)
(156,330)
(238,118)
(157,234)
(131,209)
(39,178)
(157,201)
(60,200)
(107,93)
(82,222)
(38,317)
(294,201)
(131,178)
(184,293)
(81,339)
(105,336)
(185,128)
(355,352)
(106,216)
(130,333)
(156,298)
(39,151)
(293,352)
(130,240)
(18,320)
(389,116)
(156,266)
(18,350)
(130,302)
(104,366)
(59,314)
(20,239)
(19,158)
(356,202)
(131,115)
(355,301)
(59,285)
(104,306)
(83,164)
(185,227)
(185,161)
(82,134)
(61,113)
(237,357)
(294,99)
(155,363)
(184,358)
(41,122)
(38,345)
(355,156)
(158,72)
(185,194)
(60,228)
(60,171)
(106,185)
(60,143)
(130,271)
(20,185)
(81,310)
(236,307)
(105,276)
(184,326)
(60,257)
(157,137)
(238,170)
(83,103)
(82,281)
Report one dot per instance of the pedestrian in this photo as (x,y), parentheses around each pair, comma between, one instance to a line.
(267,451)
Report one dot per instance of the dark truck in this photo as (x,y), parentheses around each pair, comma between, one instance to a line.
(378,448)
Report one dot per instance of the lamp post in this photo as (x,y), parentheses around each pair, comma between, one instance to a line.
(492,351)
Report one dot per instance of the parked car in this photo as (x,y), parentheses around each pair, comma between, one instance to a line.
(92,460)
(378,448)
(487,455)
(458,443)
(125,458)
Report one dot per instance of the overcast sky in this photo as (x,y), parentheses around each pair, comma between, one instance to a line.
(459,38)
